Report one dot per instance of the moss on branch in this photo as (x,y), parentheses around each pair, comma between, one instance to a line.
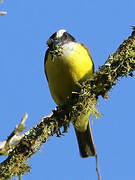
(120,64)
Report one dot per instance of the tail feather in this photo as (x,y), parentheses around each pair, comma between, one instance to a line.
(85,142)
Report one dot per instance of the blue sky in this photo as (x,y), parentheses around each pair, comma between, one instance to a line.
(101,26)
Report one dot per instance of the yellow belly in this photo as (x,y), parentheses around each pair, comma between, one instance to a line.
(63,72)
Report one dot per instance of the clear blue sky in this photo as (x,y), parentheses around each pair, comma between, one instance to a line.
(102,26)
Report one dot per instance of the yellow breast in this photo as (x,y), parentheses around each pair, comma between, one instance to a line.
(63,72)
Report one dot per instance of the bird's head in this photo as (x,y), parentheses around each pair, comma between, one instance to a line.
(59,38)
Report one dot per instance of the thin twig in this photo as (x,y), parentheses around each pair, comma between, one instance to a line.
(21,126)
(97,168)
(3,13)
(14,138)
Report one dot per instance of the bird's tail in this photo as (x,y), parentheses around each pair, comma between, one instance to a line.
(85,142)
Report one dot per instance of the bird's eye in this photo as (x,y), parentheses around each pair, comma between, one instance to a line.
(65,35)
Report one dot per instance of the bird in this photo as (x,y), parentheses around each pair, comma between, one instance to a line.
(67,63)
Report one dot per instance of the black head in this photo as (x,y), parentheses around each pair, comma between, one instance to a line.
(60,37)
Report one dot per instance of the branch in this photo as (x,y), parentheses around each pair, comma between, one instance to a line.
(120,64)
(3,13)
(14,138)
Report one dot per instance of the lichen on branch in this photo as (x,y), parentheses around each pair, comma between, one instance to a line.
(118,65)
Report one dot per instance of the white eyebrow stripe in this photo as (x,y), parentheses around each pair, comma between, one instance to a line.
(60,33)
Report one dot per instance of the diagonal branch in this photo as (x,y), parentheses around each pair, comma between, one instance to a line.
(120,64)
